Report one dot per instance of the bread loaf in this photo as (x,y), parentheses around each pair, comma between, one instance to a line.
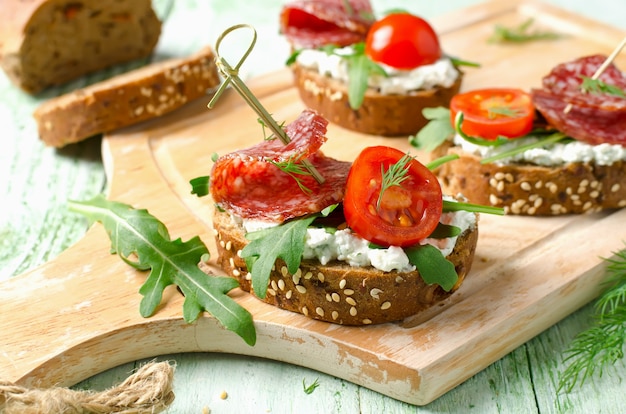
(50,42)
(126,99)
(386,115)
(337,292)
(527,189)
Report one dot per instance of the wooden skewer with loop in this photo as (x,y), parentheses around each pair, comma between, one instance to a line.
(231,75)
(602,68)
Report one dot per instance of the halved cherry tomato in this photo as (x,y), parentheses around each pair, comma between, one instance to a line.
(489,113)
(406,214)
(402,41)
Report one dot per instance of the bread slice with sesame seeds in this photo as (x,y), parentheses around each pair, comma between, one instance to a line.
(379,114)
(529,189)
(126,99)
(337,292)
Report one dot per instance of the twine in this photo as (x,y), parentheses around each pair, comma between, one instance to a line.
(148,390)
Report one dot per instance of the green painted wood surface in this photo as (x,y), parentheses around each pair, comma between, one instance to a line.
(35,226)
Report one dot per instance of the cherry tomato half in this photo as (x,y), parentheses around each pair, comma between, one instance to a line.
(406,214)
(489,113)
(402,41)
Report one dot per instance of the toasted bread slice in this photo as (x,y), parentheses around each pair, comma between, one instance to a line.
(126,99)
(337,292)
(527,189)
(386,115)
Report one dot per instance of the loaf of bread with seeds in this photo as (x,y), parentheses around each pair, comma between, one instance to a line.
(558,149)
(51,42)
(126,99)
(338,292)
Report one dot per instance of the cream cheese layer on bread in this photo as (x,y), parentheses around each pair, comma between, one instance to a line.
(345,246)
(548,156)
(396,82)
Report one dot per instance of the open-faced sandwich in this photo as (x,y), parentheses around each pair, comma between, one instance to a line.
(375,241)
(372,76)
(558,149)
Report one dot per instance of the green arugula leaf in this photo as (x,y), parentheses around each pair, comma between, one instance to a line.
(460,62)
(599,87)
(360,68)
(444,231)
(143,242)
(433,267)
(308,389)
(285,242)
(520,34)
(200,185)
(601,345)
(450,206)
(435,132)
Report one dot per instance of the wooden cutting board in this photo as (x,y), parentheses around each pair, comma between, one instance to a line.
(79,314)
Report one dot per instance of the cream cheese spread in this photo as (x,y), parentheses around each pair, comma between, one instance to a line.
(549,156)
(343,245)
(441,73)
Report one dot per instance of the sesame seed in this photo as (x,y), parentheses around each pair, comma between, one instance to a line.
(622,203)
(568,190)
(594,194)
(222,244)
(525,185)
(615,188)
(539,184)
(229,245)
(367,321)
(353,311)
(308,275)
(350,301)
(342,283)
(348,292)
(555,207)
(531,211)
(238,253)
(575,197)
(321,277)
(271,291)
(301,289)
(281,284)
(399,279)
(335,315)
(584,182)
(248,276)
(552,187)
(594,184)
(375,293)
(329,298)
(274,285)
(509,177)
(295,278)
(500,186)
(493,182)
(538,202)
(288,294)
(319,311)
(336,297)
(138,111)
(385,305)
(587,205)
(236,272)
(499,175)
(231,261)
(493,199)
(284,271)
(305,311)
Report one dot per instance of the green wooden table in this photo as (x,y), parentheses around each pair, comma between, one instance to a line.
(35,226)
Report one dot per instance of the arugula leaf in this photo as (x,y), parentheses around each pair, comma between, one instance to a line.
(200,185)
(450,206)
(433,267)
(520,34)
(360,68)
(308,389)
(601,345)
(444,231)
(143,242)
(435,132)
(599,87)
(285,242)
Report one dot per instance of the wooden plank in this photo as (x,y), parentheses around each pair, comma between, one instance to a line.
(89,309)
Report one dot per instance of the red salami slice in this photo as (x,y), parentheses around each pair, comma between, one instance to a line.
(315,23)
(249,184)
(594,117)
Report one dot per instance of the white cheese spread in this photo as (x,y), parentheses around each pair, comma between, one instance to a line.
(549,156)
(343,245)
(441,73)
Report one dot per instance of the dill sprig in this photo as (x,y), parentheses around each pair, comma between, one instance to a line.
(294,169)
(602,345)
(395,175)
(264,128)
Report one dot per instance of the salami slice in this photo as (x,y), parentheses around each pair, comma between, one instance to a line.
(249,184)
(594,117)
(315,23)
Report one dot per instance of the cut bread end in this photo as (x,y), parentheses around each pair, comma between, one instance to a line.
(337,292)
(533,190)
(386,115)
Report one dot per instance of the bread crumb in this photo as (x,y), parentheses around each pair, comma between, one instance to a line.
(206,410)
(224,395)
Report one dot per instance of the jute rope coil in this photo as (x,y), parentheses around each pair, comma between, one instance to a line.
(148,390)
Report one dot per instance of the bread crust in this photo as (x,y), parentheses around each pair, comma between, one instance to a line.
(126,99)
(527,189)
(386,115)
(50,42)
(337,292)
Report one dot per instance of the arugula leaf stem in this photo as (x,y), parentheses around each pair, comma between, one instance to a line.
(442,160)
(449,206)
(550,139)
